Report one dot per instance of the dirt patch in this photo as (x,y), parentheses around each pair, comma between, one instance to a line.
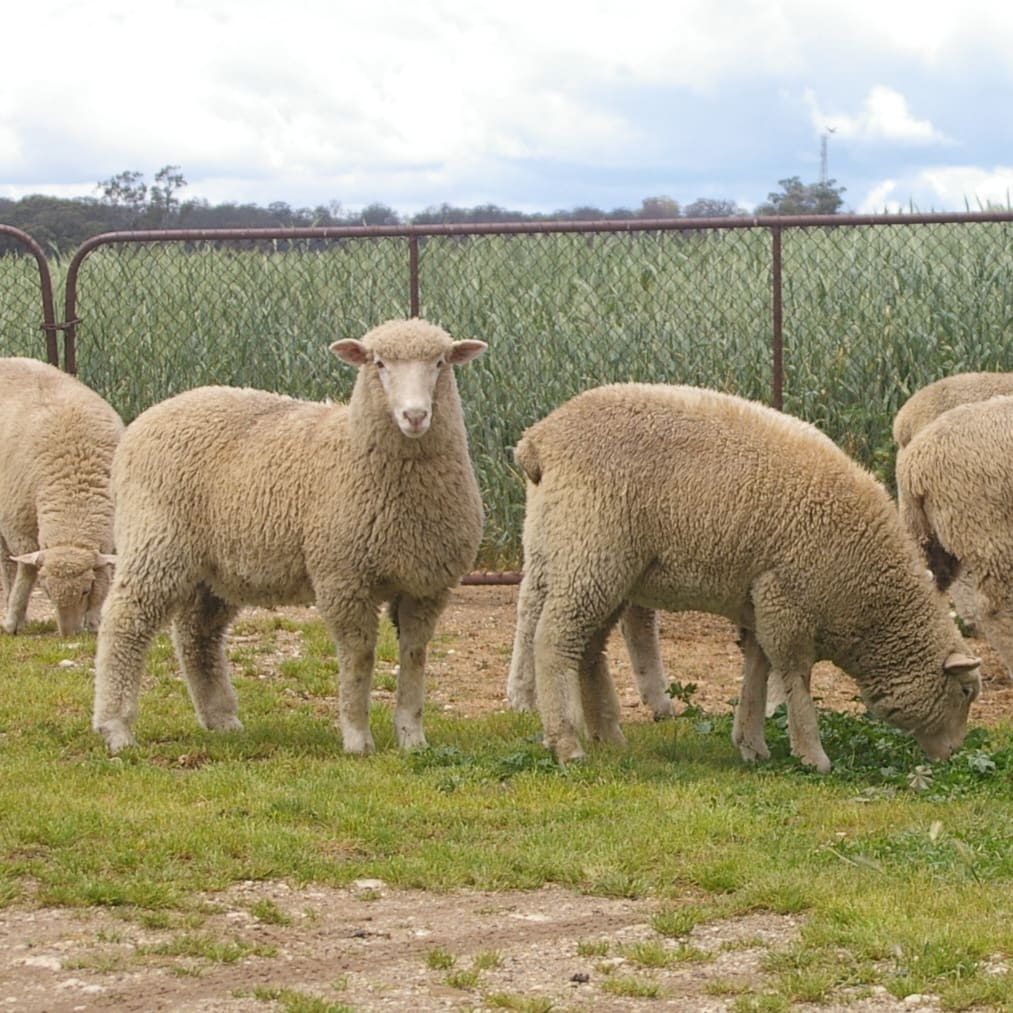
(369,947)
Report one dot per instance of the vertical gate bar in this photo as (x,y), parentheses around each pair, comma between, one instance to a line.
(413,273)
(778,318)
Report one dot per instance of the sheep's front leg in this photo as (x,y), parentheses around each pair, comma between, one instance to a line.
(747,730)
(17,597)
(356,647)
(415,620)
(803,724)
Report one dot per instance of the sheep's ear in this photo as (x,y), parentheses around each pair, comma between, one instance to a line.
(36,558)
(351,351)
(965,670)
(958,664)
(465,351)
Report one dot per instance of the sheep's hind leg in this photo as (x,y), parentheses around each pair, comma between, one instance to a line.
(198,634)
(415,620)
(640,632)
(521,679)
(125,634)
(564,646)
(598,693)
(747,730)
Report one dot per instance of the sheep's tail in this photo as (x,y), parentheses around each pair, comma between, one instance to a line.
(526,456)
(942,564)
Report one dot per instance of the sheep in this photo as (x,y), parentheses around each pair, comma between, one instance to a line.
(920,409)
(228,497)
(931,401)
(673,497)
(56,509)
(955,496)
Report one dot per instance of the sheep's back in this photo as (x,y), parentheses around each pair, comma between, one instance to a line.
(58,437)
(725,487)
(940,396)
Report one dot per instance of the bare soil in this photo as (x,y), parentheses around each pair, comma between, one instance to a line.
(366,947)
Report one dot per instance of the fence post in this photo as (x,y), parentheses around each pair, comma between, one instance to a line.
(778,318)
(413,275)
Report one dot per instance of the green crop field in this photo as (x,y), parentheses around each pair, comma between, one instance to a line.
(870,314)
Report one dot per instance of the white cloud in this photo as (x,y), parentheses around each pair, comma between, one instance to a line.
(952,188)
(885,116)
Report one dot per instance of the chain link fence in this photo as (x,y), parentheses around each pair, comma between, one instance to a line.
(867,310)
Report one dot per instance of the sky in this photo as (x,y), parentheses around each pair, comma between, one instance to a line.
(532,105)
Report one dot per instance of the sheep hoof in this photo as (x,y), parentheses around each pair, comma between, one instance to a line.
(117,735)
(821,762)
(359,745)
(225,723)
(664,714)
(409,740)
(569,753)
(753,753)
(521,701)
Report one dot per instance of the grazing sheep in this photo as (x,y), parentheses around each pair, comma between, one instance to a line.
(919,410)
(931,401)
(228,497)
(955,492)
(681,498)
(56,509)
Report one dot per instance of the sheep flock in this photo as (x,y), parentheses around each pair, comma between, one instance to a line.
(639,498)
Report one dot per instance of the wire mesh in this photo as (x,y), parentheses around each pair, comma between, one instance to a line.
(872,310)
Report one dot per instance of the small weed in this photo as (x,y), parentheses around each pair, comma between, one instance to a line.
(292,1001)
(487,960)
(518,1003)
(439,959)
(463,979)
(594,948)
(648,954)
(269,913)
(632,988)
(766,1003)
(676,922)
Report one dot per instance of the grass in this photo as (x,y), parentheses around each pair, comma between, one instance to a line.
(902,881)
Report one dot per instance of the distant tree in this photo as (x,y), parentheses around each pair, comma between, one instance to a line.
(705,207)
(126,190)
(658,207)
(163,204)
(379,214)
(798,198)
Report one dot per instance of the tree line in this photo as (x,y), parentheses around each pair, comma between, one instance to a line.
(125,201)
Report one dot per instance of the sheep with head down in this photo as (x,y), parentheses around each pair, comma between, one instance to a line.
(680,498)
(228,497)
(56,508)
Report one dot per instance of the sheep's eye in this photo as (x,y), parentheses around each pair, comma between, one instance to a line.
(379,364)
(440,363)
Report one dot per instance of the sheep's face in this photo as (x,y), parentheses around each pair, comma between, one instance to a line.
(76,581)
(409,384)
(942,733)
